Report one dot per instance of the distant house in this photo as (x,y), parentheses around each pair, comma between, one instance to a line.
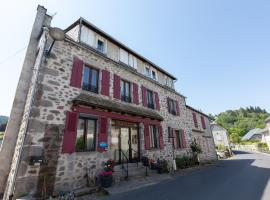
(220,134)
(254,134)
(266,132)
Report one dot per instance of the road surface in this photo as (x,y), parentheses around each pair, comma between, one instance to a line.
(244,177)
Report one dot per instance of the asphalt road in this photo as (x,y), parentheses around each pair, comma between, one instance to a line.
(244,177)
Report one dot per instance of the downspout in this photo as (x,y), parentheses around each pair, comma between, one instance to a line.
(10,192)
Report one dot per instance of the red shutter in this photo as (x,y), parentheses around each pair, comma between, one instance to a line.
(103,133)
(161,141)
(183,139)
(116,86)
(144,96)
(175,142)
(69,139)
(146,137)
(105,83)
(168,102)
(76,73)
(156,101)
(195,120)
(203,122)
(177,108)
(135,94)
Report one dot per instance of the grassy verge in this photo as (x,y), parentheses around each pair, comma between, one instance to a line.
(1,135)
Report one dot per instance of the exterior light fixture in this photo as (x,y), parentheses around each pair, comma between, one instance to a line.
(57,34)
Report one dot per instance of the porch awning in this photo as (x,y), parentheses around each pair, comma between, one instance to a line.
(91,100)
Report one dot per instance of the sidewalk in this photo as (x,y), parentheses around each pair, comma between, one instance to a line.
(140,182)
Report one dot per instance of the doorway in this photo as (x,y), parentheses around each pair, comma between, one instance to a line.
(125,142)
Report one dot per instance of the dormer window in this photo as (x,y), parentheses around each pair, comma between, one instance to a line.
(100,46)
(154,76)
(147,71)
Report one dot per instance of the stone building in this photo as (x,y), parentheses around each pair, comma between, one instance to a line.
(87,99)
(220,134)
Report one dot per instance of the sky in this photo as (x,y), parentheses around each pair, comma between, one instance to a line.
(218,50)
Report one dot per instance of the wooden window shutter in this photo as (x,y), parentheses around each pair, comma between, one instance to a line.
(144,96)
(175,142)
(146,137)
(116,86)
(157,105)
(70,132)
(177,108)
(183,139)
(105,83)
(103,133)
(203,122)
(135,94)
(161,141)
(76,73)
(195,120)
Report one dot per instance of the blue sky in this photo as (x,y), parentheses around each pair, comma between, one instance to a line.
(219,50)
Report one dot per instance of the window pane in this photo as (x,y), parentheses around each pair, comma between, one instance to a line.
(122,88)
(127,89)
(86,73)
(94,77)
(80,135)
(90,140)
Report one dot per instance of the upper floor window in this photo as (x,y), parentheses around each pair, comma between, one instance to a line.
(154,75)
(147,71)
(86,134)
(154,137)
(195,120)
(125,91)
(150,99)
(100,46)
(90,79)
(172,106)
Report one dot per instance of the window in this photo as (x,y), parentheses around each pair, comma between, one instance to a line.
(150,99)
(154,137)
(100,46)
(147,71)
(124,56)
(86,134)
(178,139)
(90,79)
(172,106)
(125,91)
(154,76)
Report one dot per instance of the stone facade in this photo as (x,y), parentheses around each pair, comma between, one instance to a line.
(221,135)
(39,165)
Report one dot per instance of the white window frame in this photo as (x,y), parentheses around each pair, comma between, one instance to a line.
(123,56)
(148,75)
(87,36)
(155,71)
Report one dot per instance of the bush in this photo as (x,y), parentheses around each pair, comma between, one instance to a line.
(1,135)
(185,162)
(195,147)
(220,147)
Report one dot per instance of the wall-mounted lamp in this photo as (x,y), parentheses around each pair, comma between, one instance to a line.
(57,34)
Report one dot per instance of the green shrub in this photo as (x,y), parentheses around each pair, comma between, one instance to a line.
(1,135)
(195,147)
(185,162)
(221,147)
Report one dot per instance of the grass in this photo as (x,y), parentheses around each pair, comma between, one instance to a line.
(1,135)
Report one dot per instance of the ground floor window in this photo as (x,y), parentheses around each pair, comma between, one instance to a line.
(178,139)
(154,137)
(86,134)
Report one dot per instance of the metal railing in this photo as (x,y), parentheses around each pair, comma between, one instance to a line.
(123,163)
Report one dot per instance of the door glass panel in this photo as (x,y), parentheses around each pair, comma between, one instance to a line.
(115,143)
(134,143)
(91,127)
(125,142)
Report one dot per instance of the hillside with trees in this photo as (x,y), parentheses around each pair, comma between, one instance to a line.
(239,122)
(3,123)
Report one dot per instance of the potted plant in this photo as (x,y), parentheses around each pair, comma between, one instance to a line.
(196,150)
(106,177)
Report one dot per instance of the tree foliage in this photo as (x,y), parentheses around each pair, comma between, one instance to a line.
(239,122)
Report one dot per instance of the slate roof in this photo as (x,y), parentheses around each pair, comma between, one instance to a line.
(252,132)
(91,100)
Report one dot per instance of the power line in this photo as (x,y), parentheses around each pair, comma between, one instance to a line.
(12,55)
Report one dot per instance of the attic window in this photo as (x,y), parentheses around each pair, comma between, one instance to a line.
(100,46)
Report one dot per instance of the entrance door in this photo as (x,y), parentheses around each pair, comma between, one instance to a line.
(125,143)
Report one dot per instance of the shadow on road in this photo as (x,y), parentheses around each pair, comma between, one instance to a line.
(235,179)
(240,152)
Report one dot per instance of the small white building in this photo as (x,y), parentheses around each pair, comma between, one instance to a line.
(220,134)
(266,132)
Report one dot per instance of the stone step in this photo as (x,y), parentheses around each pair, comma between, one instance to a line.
(86,191)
